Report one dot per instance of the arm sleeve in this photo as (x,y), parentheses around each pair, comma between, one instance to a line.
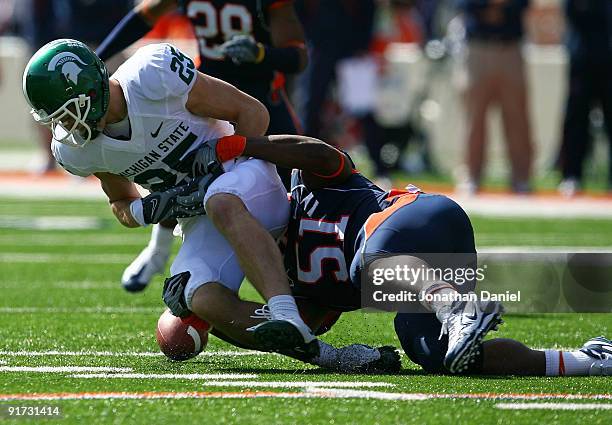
(165,72)
(130,29)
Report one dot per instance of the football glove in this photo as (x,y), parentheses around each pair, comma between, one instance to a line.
(243,49)
(213,153)
(186,200)
(173,294)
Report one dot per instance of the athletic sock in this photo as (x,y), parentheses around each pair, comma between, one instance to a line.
(567,363)
(161,239)
(284,307)
(443,301)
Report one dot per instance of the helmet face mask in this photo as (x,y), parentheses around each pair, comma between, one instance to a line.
(68,127)
(67,86)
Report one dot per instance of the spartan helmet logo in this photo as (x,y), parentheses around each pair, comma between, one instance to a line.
(69,64)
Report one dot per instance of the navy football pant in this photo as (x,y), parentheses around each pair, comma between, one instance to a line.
(430,224)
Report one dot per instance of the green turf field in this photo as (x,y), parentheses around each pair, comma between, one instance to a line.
(62,306)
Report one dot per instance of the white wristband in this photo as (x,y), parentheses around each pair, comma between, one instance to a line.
(137,213)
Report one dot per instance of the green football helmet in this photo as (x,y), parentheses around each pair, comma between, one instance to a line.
(66,84)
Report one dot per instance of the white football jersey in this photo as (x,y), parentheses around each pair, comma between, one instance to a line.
(155,81)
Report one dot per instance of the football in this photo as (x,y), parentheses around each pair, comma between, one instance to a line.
(181,338)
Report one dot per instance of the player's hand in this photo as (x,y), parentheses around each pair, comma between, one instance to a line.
(173,294)
(243,49)
(212,153)
(181,201)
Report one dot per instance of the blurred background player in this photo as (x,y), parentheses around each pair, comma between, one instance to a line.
(46,20)
(589,44)
(495,75)
(335,30)
(247,43)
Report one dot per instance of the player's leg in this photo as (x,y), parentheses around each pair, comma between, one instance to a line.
(605,94)
(151,260)
(314,82)
(510,357)
(575,137)
(247,204)
(211,292)
(418,335)
(434,224)
(352,358)
(478,93)
(515,116)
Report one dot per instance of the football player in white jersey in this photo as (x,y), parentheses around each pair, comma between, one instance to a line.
(142,126)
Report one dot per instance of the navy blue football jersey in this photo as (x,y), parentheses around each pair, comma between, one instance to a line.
(216,21)
(323,229)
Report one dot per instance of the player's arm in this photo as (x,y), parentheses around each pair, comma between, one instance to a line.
(288,50)
(134,26)
(287,53)
(214,98)
(177,202)
(321,164)
(121,193)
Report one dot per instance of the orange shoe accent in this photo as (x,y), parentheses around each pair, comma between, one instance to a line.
(376,219)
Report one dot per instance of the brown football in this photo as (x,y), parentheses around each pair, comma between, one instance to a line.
(181,338)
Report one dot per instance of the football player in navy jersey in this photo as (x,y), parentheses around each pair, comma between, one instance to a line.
(248,43)
(336,214)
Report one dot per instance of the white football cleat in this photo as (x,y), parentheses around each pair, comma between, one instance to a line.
(467,325)
(599,348)
(137,275)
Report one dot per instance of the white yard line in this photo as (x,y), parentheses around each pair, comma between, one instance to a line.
(63,284)
(325,393)
(45,353)
(185,376)
(61,239)
(244,384)
(342,393)
(553,252)
(63,369)
(554,406)
(50,222)
(17,257)
(502,206)
(155,395)
(69,310)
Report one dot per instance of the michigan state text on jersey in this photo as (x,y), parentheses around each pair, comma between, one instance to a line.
(137,127)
